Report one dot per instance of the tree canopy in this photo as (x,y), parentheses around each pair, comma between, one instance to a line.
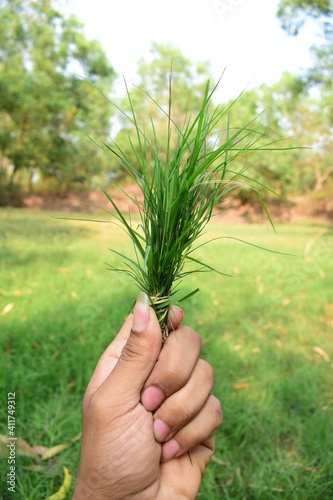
(166,65)
(48,70)
(293,14)
(55,88)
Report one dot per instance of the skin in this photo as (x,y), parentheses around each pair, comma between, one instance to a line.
(146,406)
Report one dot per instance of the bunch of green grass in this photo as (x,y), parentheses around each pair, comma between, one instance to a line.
(181,185)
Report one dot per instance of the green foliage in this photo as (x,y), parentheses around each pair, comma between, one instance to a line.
(45,108)
(189,79)
(293,15)
(47,111)
(282,110)
(188,85)
(261,331)
(291,117)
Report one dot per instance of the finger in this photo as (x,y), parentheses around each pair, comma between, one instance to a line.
(183,406)
(138,355)
(174,318)
(112,353)
(108,359)
(174,367)
(202,453)
(184,474)
(194,433)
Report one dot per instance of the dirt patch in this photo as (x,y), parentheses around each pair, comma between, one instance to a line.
(89,202)
(231,211)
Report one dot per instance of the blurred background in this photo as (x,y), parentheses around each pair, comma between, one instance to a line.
(67,69)
(58,58)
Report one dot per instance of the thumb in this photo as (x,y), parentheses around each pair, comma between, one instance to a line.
(139,354)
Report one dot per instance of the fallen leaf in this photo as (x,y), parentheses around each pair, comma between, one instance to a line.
(63,270)
(24,449)
(40,449)
(267,326)
(54,450)
(21,447)
(76,438)
(321,353)
(74,295)
(241,385)
(38,453)
(255,350)
(7,309)
(229,481)
(16,293)
(292,450)
(64,488)
(220,462)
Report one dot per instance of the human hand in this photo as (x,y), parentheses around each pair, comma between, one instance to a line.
(145,407)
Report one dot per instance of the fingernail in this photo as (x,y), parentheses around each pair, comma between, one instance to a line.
(141,313)
(152,397)
(172,313)
(161,430)
(169,450)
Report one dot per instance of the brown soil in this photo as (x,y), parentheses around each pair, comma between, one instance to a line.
(232,211)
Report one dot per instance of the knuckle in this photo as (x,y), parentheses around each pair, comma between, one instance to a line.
(131,349)
(85,401)
(95,406)
(175,379)
(206,371)
(191,335)
(215,409)
(181,416)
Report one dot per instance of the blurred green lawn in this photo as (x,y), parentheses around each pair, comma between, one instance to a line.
(267,331)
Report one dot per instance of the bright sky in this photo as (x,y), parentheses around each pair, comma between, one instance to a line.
(242,36)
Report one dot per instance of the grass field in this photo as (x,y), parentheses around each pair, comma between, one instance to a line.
(267,331)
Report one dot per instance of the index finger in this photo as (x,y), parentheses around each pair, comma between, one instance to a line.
(174,367)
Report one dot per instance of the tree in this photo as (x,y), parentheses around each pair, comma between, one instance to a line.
(316,116)
(306,120)
(293,14)
(151,95)
(297,125)
(45,108)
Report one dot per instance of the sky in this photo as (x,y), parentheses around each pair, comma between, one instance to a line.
(241,36)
